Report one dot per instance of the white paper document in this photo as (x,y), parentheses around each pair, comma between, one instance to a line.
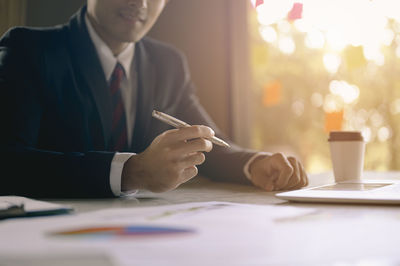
(31,206)
(167,235)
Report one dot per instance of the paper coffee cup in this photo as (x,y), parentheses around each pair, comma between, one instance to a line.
(347,154)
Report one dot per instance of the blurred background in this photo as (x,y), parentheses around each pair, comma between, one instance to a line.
(321,65)
(278,75)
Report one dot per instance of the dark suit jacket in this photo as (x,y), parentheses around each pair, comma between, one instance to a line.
(56,111)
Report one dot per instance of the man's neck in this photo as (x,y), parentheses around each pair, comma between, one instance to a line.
(115,46)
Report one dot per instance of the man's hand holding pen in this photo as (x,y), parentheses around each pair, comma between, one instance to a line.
(169,161)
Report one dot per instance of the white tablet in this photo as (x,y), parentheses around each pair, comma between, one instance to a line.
(366,191)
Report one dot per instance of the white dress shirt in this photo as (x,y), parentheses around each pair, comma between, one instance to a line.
(128,86)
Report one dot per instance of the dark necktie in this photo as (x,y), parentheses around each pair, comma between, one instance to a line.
(119,140)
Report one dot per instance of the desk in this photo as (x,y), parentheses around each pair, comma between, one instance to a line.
(333,234)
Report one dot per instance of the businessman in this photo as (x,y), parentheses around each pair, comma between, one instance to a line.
(76,112)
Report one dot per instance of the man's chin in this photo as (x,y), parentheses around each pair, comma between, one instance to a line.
(132,38)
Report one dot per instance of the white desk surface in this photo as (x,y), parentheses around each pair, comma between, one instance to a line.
(372,236)
(202,189)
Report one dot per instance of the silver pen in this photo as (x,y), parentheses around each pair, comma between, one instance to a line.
(172,121)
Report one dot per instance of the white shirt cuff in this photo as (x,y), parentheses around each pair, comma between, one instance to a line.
(117,165)
(246,168)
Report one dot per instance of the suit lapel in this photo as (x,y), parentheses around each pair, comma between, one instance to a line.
(145,97)
(88,65)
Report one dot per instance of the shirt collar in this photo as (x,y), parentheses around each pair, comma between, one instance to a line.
(107,58)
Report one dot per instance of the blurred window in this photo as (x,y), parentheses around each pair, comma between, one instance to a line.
(322,65)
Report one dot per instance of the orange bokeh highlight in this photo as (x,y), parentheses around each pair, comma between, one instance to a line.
(272,93)
(333,121)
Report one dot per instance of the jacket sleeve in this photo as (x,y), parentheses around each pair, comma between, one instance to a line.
(222,164)
(27,170)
